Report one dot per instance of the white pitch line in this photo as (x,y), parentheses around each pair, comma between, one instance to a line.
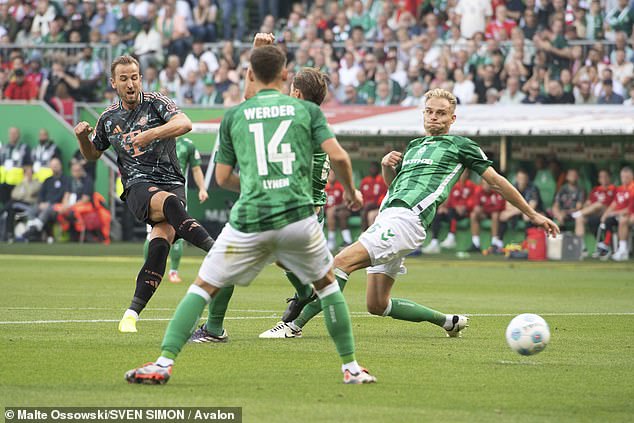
(356,314)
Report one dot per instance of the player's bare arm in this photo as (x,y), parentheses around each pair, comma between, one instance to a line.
(199,179)
(226,178)
(87,148)
(178,125)
(511,194)
(340,163)
(388,166)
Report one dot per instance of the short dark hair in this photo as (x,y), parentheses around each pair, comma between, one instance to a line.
(267,63)
(313,84)
(123,60)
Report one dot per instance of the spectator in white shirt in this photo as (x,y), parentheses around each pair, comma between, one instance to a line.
(512,93)
(474,15)
(463,89)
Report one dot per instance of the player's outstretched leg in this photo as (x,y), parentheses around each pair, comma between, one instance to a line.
(148,280)
(380,303)
(178,332)
(212,330)
(175,261)
(293,328)
(337,319)
(186,226)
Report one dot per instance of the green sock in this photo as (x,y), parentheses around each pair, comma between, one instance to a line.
(338,323)
(412,312)
(303,291)
(175,254)
(217,310)
(183,323)
(314,308)
(145,248)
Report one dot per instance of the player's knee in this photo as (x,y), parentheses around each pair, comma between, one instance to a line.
(377,307)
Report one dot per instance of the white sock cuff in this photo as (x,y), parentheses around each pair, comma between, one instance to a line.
(328,290)
(341,274)
(195,289)
(388,309)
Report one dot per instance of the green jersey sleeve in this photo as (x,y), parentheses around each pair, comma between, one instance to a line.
(472,156)
(226,153)
(319,125)
(194,156)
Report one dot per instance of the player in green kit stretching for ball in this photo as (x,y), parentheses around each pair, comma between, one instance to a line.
(419,180)
(271,137)
(188,158)
(311,85)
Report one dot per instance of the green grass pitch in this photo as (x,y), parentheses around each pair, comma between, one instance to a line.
(59,345)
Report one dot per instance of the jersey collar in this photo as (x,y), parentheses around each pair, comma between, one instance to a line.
(141,98)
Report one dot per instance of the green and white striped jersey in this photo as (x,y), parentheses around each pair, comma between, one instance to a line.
(273,138)
(430,167)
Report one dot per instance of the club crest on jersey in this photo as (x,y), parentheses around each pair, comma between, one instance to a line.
(142,121)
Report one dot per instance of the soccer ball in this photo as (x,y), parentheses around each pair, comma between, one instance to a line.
(527,334)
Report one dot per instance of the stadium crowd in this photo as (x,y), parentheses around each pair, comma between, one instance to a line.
(375,51)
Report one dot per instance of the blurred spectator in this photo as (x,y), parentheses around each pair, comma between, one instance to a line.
(23,198)
(148,46)
(72,213)
(621,17)
(128,25)
(350,96)
(630,101)
(197,55)
(594,21)
(171,80)
(417,97)
(373,189)
(8,23)
(511,214)
(210,96)
(228,9)
(103,21)
(488,80)
(55,34)
(556,94)
(569,198)
(583,93)
(140,9)
(42,154)
(488,204)
(232,96)
(53,196)
(44,14)
(174,32)
(623,71)
(34,73)
(512,94)
(89,72)
(56,77)
(336,213)
(598,201)
(117,47)
(463,89)
(20,88)
(609,96)
(473,16)
(150,81)
(500,28)
(63,103)
(204,28)
(14,156)
(533,96)
(617,210)
(192,89)
(78,25)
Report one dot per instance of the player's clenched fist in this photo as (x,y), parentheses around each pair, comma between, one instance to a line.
(263,39)
(83,129)
(353,200)
(391,159)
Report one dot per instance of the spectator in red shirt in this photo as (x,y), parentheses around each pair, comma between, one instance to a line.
(500,28)
(373,189)
(336,213)
(459,205)
(600,198)
(618,210)
(20,88)
(488,204)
